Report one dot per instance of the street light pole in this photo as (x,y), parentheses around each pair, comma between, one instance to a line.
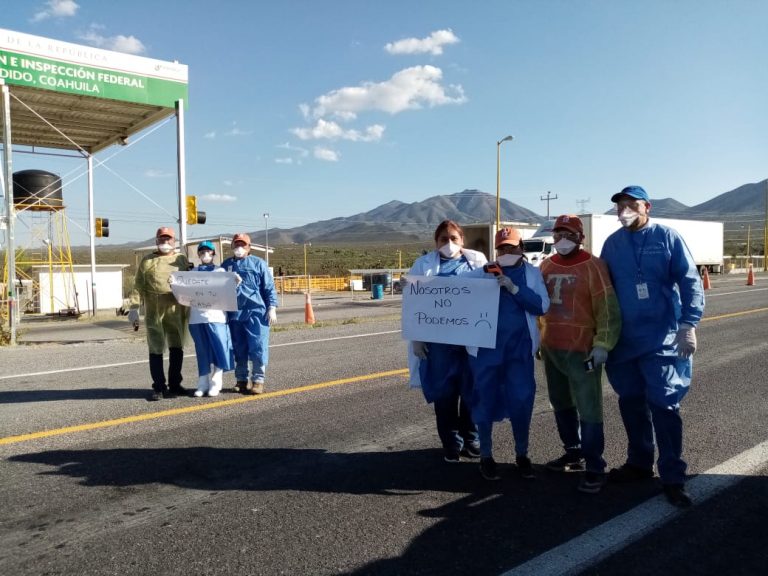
(305,263)
(266,238)
(498,178)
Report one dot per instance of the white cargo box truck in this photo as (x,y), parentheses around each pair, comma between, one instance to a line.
(480,237)
(704,238)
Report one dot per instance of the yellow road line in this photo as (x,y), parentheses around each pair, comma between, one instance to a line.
(734,314)
(197,408)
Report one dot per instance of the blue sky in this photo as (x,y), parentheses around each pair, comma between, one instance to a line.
(313,109)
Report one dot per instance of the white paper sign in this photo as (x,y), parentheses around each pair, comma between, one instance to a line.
(451,310)
(205,290)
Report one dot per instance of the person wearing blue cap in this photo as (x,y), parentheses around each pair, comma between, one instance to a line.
(661,298)
(210,334)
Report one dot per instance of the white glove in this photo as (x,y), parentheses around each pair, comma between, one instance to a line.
(133,316)
(420,349)
(685,340)
(598,355)
(506,282)
(271,315)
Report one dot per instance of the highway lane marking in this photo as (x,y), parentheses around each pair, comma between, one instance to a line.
(734,314)
(198,407)
(604,540)
(736,292)
(118,364)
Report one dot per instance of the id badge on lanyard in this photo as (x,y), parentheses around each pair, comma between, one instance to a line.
(642,291)
(641,287)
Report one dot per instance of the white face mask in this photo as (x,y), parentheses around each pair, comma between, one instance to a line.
(628,217)
(165,247)
(450,250)
(206,257)
(240,252)
(565,246)
(508,259)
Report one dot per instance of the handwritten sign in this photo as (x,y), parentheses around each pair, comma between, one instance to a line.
(205,290)
(451,310)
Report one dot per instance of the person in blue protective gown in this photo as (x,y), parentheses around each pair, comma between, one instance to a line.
(210,334)
(661,298)
(441,370)
(503,376)
(257,311)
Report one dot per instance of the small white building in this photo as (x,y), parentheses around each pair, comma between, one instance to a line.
(63,291)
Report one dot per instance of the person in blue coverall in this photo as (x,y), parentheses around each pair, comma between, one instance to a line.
(210,334)
(441,370)
(503,376)
(661,298)
(256,312)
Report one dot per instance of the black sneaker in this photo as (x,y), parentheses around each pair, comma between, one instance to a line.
(488,469)
(566,463)
(677,495)
(178,390)
(470,451)
(451,456)
(629,473)
(154,396)
(525,467)
(592,482)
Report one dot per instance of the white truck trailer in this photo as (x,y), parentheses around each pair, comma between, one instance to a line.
(704,238)
(481,237)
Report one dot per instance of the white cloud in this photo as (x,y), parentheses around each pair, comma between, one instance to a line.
(119,43)
(303,152)
(56,9)
(210,135)
(219,198)
(432,44)
(228,183)
(328,130)
(283,160)
(155,173)
(326,154)
(236,131)
(408,89)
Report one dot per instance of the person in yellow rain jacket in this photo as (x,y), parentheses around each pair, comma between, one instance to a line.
(583,323)
(165,318)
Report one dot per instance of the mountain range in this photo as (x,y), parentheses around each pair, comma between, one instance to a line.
(398,221)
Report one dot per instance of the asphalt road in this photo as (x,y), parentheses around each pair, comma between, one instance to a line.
(336,470)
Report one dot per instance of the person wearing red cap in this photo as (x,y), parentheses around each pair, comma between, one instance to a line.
(503,376)
(441,370)
(256,312)
(165,318)
(582,325)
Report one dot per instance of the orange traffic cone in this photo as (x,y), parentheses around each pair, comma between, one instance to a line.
(707,284)
(309,315)
(750,276)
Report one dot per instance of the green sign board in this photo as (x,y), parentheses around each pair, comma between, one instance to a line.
(139,80)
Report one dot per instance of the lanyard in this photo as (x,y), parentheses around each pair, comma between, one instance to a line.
(638,253)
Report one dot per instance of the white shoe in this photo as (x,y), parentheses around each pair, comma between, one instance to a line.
(203,384)
(217,381)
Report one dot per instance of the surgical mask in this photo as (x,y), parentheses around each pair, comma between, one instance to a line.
(240,252)
(206,257)
(450,250)
(165,248)
(508,259)
(565,246)
(628,217)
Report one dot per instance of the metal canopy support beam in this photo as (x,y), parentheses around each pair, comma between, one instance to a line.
(181,168)
(91,234)
(10,245)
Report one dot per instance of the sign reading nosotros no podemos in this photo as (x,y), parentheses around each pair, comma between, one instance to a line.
(205,290)
(451,310)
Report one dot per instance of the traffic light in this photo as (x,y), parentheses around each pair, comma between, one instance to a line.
(193,216)
(102,227)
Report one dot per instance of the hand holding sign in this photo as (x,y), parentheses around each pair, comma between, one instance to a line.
(205,290)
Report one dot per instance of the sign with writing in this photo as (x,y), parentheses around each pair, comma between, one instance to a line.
(48,64)
(205,290)
(451,310)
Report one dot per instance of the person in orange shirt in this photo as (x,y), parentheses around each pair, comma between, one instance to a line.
(583,323)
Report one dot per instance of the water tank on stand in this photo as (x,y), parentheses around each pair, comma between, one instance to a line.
(37,190)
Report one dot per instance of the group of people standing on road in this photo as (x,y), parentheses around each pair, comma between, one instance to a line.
(633,310)
(223,340)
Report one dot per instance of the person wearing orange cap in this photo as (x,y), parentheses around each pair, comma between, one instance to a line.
(582,325)
(441,370)
(165,318)
(256,312)
(504,385)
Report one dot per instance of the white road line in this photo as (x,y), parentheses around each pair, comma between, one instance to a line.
(708,296)
(118,364)
(602,541)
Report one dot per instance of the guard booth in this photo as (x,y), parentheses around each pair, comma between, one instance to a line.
(376,281)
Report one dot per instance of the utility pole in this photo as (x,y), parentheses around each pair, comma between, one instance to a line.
(548,198)
(583,203)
